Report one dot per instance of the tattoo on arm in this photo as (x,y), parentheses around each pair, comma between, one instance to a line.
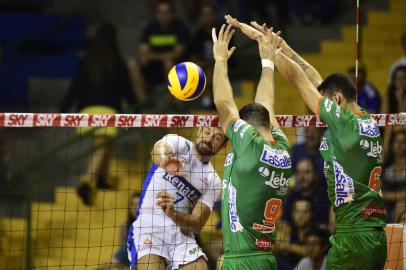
(302,64)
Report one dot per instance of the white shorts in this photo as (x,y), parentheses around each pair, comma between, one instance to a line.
(155,234)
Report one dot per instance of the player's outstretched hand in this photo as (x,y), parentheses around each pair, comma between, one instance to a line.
(220,43)
(269,42)
(165,201)
(248,30)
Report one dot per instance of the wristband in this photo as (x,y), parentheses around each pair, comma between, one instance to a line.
(266,63)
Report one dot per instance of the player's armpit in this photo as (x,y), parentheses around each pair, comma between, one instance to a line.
(228,112)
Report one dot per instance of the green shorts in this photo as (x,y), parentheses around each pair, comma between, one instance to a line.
(357,249)
(249,261)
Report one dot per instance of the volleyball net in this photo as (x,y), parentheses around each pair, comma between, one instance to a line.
(44,224)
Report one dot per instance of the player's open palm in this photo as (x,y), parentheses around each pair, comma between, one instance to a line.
(221,42)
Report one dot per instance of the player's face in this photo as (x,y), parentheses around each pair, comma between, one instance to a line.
(209,141)
(301,213)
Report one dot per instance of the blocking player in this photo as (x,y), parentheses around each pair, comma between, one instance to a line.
(177,198)
(352,150)
(256,173)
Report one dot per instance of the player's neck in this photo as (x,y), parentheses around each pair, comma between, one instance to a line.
(201,158)
(265,133)
(353,107)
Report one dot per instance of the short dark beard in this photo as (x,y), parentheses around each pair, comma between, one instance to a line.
(204,152)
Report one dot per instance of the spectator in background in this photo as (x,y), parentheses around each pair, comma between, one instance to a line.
(164,42)
(307,186)
(292,245)
(401,218)
(368,96)
(308,147)
(394,175)
(400,62)
(396,100)
(120,258)
(99,86)
(317,242)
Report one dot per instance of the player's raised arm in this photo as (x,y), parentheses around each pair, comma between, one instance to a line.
(266,87)
(312,74)
(294,74)
(222,91)
(256,30)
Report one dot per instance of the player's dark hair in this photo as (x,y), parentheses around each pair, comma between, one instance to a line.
(338,82)
(256,115)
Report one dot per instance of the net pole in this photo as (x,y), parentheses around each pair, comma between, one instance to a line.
(357,43)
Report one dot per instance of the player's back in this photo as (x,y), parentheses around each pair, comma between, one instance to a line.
(256,176)
(352,151)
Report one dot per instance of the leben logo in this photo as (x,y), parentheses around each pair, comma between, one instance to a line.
(277,181)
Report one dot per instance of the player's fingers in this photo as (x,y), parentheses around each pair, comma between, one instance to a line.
(213,34)
(221,33)
(257,26)
(227,31)
(230,20)
(279,50)
(230,35)
(231,51)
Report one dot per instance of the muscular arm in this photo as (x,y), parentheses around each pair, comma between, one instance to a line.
(294,74)
(223,95)
(195,221)
(191,222)
(265,93)
(222,91)
(312,74)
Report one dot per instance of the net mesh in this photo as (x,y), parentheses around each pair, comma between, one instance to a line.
(45,225)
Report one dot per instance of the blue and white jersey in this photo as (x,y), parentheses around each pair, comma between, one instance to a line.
(200,184)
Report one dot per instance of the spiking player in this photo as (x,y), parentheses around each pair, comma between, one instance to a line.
(257,172)
(352,151)
(176,201)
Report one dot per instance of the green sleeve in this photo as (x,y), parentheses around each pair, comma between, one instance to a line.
(241,134)
(336,117)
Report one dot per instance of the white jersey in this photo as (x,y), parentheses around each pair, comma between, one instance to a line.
(201,183)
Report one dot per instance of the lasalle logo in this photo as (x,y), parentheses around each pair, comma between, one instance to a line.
(344,185)
(275,157)
(235,224)
(368,128)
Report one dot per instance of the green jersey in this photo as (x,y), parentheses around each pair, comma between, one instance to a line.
(352,153)
(256,176)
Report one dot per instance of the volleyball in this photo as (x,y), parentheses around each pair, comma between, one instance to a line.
(186,81)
